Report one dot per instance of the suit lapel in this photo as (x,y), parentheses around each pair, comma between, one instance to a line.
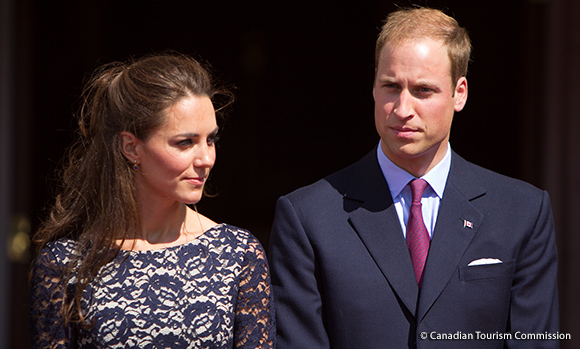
(452,234)
(377,224)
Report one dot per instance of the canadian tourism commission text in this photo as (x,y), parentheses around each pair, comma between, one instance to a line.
(478,335)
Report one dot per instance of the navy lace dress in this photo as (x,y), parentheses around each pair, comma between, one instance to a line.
(213,292)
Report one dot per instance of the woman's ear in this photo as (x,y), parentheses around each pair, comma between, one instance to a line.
(129,144)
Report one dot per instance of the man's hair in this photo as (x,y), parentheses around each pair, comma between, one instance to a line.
(409,24)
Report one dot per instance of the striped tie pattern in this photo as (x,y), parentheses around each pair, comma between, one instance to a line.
(418,240)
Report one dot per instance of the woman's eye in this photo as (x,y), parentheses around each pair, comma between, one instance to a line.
(213,139)
(185,142)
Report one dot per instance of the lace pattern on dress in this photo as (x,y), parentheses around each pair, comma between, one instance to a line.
(213,292)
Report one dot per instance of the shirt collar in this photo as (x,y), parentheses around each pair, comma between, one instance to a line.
(397,178)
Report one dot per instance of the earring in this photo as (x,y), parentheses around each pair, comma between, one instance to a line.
(135,167)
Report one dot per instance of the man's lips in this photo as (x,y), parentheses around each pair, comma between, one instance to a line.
(404,132)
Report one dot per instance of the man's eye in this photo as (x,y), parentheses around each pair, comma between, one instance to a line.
(425,89)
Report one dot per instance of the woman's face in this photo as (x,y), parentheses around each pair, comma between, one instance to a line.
(175,160)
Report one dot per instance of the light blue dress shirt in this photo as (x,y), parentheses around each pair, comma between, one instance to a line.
(398,180)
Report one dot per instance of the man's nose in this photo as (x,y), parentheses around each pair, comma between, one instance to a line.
(403,107)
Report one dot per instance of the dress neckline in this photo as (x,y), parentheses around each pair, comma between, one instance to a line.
(174,247)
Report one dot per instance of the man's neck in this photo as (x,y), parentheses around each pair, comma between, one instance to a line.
(420,165)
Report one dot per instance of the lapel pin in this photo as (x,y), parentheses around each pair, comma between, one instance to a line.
(467,224)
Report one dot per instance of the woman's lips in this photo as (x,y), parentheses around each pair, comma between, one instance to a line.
(195,180)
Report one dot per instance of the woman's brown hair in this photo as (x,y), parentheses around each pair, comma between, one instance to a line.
(96,205)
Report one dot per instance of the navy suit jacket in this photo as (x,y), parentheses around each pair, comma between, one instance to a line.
(343,278)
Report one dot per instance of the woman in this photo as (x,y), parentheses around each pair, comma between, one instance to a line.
(123,261)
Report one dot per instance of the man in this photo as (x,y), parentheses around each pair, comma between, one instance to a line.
(363,259)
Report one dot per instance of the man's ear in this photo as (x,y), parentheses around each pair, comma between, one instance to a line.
(129,144)
(460,94)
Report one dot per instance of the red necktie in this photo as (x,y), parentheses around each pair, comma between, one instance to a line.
(417,236)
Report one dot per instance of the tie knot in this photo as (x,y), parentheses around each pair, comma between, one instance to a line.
(418,187)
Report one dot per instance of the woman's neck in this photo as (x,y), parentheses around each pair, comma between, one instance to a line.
(161,224)
(170,225)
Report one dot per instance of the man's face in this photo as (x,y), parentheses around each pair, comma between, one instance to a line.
(414,103)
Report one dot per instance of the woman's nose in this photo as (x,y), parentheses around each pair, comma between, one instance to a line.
(204,157)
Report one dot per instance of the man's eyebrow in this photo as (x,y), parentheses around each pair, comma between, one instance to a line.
(425,83)
(386,79)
